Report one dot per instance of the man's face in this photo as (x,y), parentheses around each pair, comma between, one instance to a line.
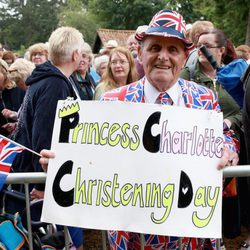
(132,45)
(162,59)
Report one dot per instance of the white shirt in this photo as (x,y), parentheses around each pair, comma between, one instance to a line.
(151,94)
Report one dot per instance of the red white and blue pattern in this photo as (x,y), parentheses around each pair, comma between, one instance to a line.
(167,23)
(165,99)
(8,152)
(169,18)
(197,97)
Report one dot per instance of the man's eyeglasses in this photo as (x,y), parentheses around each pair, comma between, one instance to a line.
(209,46)
(121,62)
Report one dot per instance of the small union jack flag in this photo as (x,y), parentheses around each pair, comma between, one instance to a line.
(8,152)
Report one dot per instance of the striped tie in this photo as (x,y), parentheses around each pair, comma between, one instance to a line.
(165,99)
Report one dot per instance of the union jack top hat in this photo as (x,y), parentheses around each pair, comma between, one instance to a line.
(167,23)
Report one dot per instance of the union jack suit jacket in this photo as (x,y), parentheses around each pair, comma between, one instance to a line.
(197,97)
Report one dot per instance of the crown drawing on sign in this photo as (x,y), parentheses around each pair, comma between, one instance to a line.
(69,110)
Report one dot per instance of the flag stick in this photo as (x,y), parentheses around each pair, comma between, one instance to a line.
(32,151)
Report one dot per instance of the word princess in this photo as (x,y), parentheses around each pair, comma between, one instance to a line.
(130,136)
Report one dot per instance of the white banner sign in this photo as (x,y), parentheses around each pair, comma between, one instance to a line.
(143,168)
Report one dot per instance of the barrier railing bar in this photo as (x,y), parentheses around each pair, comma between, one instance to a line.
(237,171)
(36,178)
(142,241)
(27,201)
(104,243)
(21,178)
(66,237)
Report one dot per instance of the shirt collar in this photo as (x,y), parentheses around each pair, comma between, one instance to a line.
(151,93)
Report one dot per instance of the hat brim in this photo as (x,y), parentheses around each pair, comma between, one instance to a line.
(165,32)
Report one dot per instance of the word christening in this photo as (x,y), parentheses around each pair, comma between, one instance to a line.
(148,195)
(130,136)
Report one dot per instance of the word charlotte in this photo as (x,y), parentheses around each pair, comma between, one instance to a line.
(128,136)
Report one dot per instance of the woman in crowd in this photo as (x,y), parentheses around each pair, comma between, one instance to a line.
(204,74)
(5,83)
(120,71)
(38,53)
(85,83)
(100,64)
(243,51)
(9,57)
(19,71)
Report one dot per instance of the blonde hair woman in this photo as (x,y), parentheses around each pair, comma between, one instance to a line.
(6,95)
(120,71)
(19,71)
(5,82)
(38,53)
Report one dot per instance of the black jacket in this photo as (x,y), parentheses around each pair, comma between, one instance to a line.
(85,86)
(47,85)
(9,99)
(246,112)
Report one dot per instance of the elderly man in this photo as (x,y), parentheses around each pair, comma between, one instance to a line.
(132,45)
(163,51)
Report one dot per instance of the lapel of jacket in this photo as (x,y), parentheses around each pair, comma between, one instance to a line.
(190,94)
(135,91)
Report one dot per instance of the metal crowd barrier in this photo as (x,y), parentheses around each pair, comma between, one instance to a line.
(36,178)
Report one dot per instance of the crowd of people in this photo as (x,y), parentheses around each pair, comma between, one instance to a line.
(160,59)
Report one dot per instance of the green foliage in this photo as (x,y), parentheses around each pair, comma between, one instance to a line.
(27,24)
(74,14)
(21,51)
(24,22)
(125,14)
(229,15)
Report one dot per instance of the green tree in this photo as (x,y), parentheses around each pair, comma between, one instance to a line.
(232,16)
(125,14)
(25,24)
(185,7)
(75,14)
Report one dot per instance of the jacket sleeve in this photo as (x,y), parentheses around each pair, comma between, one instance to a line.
(44,105)
(230,140)
(246,117)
